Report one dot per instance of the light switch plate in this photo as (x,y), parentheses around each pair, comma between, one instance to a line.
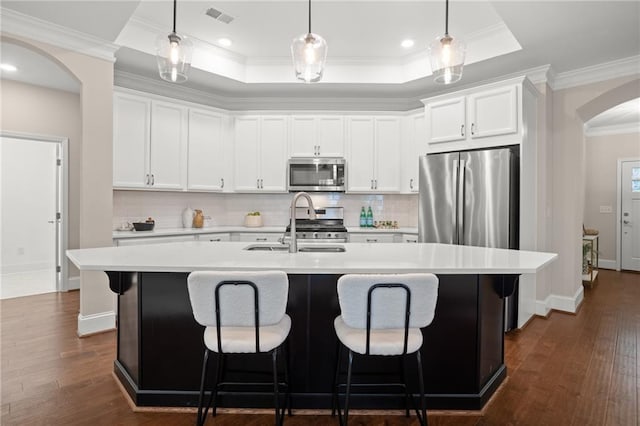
(606,209)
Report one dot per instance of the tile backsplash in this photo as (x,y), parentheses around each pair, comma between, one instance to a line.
(229,209)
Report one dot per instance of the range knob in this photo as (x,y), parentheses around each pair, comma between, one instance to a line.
(315,235)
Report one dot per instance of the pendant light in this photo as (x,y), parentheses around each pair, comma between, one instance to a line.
(174,55)
(309,53)
(447,55)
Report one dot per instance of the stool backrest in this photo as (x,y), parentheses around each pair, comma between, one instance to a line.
(388,305)
(237,302)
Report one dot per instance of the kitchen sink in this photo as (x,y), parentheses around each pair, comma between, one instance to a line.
(283,248)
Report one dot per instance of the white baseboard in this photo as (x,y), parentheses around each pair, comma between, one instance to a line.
(608,264)
(73,283)
(560,303)
(96,323)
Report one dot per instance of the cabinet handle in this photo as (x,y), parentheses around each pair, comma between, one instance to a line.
(261,184)
(411,241)
(153,180)
(258,183)
(371,183)
(473,129)
(375,181)
(261,239)
(372,240)
(411,183)
(147,181)
(215,239)
(221,183)
(462,130)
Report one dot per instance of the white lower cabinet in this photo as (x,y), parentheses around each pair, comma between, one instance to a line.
(152,240)
(408,238)
(214,237)
(371,237)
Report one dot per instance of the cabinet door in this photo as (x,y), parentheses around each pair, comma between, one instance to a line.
(330,136)
(205,157)
(303,136)
(218,237)
(387,155)
(360,162)
(414,145)
(247,153)
(446,120)
(493,112)
(273,154)
(131,123)
(167,159)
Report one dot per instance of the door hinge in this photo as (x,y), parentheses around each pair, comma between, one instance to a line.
(58,162)
(58,268)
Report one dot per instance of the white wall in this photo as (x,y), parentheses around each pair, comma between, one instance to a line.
(229,209)
(28,200)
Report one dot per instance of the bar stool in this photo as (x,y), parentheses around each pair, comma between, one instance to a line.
(243,312)
(381,315)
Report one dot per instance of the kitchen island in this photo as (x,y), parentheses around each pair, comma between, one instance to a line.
(160,345)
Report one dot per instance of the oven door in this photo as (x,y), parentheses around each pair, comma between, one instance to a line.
(316,174)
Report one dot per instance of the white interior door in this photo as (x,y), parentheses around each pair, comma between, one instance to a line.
(630,226)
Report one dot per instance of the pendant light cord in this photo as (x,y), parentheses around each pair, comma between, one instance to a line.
(174,15)
(309,16)
(446,19)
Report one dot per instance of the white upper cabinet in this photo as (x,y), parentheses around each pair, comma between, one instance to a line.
(206,160)
(373,164)
(260,153)
(493,112)
(414,144)
(474,118)
(149,146)
(168,143)
(131,138)
(446,119)
(317,136)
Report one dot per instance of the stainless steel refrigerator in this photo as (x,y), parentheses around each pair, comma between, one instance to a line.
(472,198)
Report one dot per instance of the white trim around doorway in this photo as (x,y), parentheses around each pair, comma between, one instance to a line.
(619,215)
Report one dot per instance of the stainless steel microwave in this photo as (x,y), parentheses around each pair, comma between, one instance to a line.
(316,174)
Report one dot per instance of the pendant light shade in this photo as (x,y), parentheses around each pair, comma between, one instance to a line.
(174,55)
(446,54)
(309,52)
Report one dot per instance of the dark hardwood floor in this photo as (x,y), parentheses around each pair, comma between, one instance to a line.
(579,369)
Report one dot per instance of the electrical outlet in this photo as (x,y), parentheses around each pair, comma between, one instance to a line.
(606,209)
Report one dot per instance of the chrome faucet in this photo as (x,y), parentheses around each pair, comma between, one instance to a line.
(293,245)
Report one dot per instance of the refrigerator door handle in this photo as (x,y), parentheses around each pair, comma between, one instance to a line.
(460,202)
(455,186)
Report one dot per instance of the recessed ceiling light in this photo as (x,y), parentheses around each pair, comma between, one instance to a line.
(224,42)
(8,67)
(407,43)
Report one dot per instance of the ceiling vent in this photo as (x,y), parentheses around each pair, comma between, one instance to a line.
(219,15)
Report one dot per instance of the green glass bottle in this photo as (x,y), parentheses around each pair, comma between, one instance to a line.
(363,218)
(369,218)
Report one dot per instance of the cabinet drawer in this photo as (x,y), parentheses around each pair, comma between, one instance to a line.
(371,238)
(152,240)
(259,237)
(214,237)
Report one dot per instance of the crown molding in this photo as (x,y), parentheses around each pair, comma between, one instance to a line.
(22,25)
(618,129)
(596,73)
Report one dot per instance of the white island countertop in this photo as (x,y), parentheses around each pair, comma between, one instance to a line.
(358,258)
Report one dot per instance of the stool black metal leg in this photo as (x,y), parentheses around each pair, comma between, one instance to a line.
(334,398)
(201,418)
(403,371)
(286,377)
(213,399)
(276,396)
(423,409)
(346,399)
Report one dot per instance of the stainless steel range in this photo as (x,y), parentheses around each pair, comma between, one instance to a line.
(327,227)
